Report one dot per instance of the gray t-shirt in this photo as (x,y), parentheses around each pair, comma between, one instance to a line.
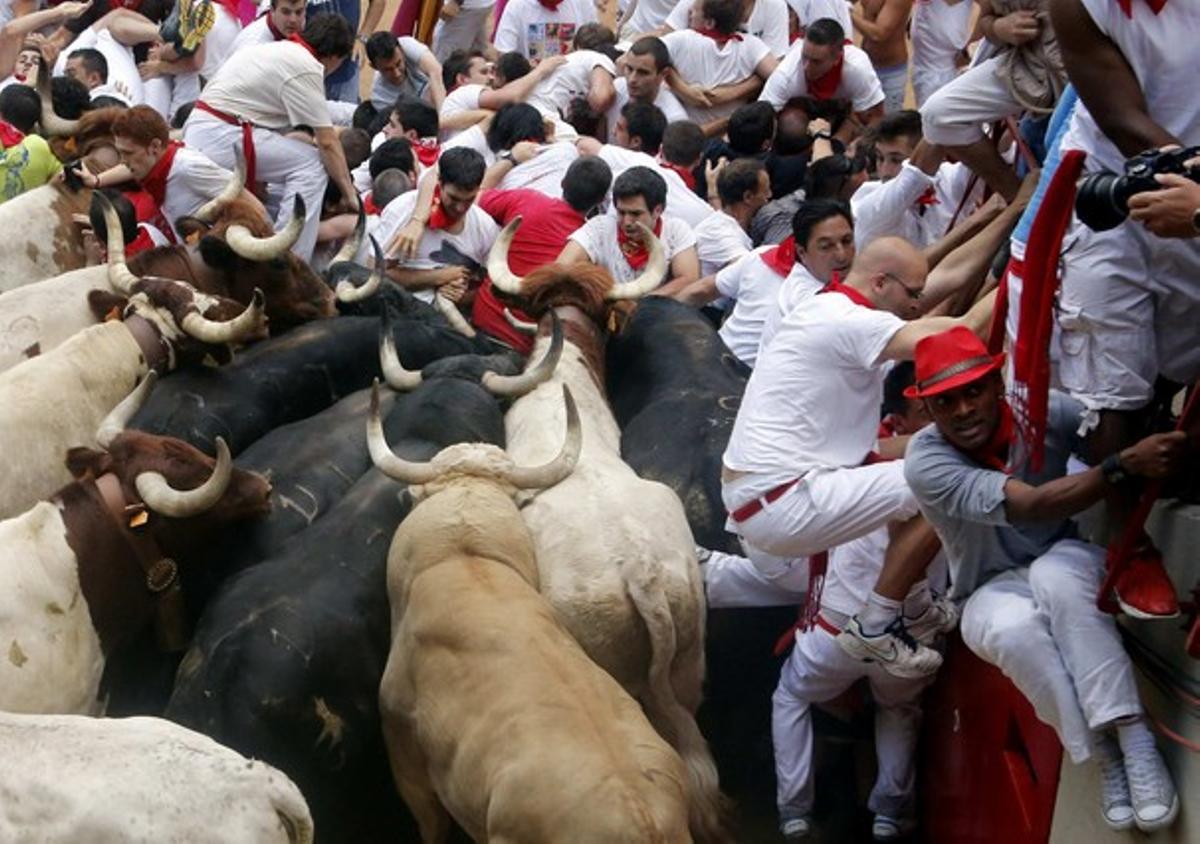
(964,501)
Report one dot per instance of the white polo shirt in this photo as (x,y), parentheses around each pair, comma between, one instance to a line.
(682,201)
(598,237)
(768,22)
(475,240)
(813,399)
(194,180)
(274,86)
(795,289)
(699,60)
(529,28)
(553,95)
(666,101)
(720,240)
(859,83)
(755,287)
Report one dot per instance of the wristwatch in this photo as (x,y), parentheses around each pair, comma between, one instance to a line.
(1114,472)
(509,157)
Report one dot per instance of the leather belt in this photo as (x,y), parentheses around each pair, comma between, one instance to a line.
(247,137)
(749,509)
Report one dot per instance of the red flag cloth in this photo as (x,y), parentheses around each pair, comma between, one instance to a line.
(1031,355)
(10,135)
(636,253)
(721,38)
(782,258)
(155,182)
(1156,6)
(826,85)
(995,341)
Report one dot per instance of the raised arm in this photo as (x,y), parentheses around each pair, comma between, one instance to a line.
(519,89)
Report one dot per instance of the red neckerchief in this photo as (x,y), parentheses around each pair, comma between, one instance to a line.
(369,206)
(826,85)
(721,38)
(552,5)
(994,453)
(887,427)
(689,178)
(275,33)
(782,258)
(10,135)
(427,151)
(438,218)
(926,200)
(835,286)
(155,182)
(296,38)
(636,253)
(1156,6)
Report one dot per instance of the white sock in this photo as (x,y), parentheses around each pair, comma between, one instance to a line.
(918,600)
(878,613)
(1134,736)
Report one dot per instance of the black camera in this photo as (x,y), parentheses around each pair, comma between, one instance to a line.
(1102,199)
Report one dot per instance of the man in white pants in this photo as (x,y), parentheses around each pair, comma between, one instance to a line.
(1030,585)
(794,480)
(940,31)
(261,92)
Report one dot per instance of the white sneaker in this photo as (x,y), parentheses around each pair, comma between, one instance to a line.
(796,829)
(1116,806)
(941,616)
(897,652)
(887,828)
(1155,803)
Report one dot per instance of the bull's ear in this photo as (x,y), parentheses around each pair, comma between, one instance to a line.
(191,229)
(106,305)
(83,461)
(217,254)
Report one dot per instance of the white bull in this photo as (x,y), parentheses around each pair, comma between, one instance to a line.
(73,779)
(615,554)
(41,239)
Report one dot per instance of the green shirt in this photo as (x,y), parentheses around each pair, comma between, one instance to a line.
(27,165)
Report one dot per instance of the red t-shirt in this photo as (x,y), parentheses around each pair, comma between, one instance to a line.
(546,225)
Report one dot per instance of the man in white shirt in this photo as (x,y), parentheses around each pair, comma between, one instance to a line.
(586,74)
(809,12)
(540,28)
(916,196)
(795,478)
(713,54)
(940,32)
(645,67)
(766,20)
(403,66)
(474,91)
(452,252)
(824,67)
(617,243)
(284,19)
(743,187)
(259,94)
(526,154)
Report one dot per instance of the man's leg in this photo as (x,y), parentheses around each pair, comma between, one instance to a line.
(897,727)
(757,579)
(893,79)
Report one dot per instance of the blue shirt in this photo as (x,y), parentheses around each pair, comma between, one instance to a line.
(350,10)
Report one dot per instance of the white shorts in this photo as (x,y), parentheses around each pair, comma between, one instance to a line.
(956,113)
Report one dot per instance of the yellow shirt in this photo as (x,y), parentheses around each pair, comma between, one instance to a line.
(27,165)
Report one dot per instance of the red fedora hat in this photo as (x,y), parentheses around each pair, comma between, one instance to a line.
(949,360)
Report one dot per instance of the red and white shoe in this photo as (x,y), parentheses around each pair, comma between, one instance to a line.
(1143,590)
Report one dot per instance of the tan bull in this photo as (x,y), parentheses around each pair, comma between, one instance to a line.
(491,710)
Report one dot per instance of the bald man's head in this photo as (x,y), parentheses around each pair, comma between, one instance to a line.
(891,272)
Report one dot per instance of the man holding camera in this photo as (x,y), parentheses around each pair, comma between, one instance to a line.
(1174,209)
(1128,306)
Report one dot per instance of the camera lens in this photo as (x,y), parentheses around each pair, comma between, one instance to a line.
(1101,202)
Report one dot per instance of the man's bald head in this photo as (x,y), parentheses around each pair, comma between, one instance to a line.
(891,272)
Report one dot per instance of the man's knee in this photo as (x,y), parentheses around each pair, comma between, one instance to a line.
(1068,575)
(992,632)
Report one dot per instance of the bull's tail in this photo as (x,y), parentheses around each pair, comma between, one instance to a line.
(707,807)
(291,809)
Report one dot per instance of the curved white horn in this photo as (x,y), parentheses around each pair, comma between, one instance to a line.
(119,275)
(118,418)
(497,264)
(52,124)
(547,475)
(347,292)
(233,189)
(520,324)
(350,247)
(395,467)
(453,315)
(397,377)
(519,385)
(651,277)
(217,333)
(253,248)
(162,498)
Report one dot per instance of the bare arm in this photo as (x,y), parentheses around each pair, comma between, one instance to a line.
(891,19)
(685,266)
(742,91)
(1105,82)
(12,36)
(963,270)
(463,119)
(695,293)
(432,68)
(334,160)
(519,89)
(404,243)
(411,279)
(601,92)
(904,342)
(573,253)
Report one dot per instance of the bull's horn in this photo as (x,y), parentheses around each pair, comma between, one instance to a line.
(547,475)
(161,498)
(519,385)
(502,277)
(392,465)
(520,324)
(453,315)
(253,248)
(651,277)
(347,292)
(119,276)
(218,333)
(233,189)
(118,418)
(394,373)
(350,247)
(52,124)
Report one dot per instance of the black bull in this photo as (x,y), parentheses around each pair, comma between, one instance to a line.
(675,389)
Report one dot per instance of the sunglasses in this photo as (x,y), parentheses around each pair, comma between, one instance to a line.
(913,294)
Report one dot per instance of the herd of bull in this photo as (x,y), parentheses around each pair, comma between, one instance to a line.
(471,595)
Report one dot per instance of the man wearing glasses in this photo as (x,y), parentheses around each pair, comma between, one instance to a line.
(800,475)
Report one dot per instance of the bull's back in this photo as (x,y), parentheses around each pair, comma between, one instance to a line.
(54,402)
(41,239)
(38,317)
